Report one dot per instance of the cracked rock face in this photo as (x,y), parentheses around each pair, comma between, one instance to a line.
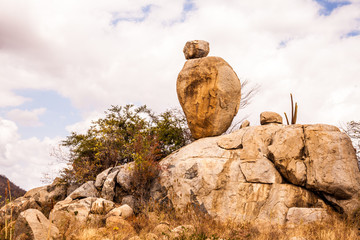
(260,173)
(209,92)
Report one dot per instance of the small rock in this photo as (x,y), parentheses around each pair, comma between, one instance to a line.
(196,49)
(124,211)
(101,206)
(270,117)
(244,124)
(128,200)
(86,190)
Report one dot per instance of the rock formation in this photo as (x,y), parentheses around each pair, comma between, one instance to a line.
(209,92)
(268,174)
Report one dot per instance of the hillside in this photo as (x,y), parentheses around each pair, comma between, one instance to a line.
(15,190)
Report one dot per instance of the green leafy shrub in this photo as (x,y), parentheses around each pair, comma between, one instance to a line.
(124,135)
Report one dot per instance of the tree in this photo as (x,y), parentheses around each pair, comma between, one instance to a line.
(124,135)
(352,129)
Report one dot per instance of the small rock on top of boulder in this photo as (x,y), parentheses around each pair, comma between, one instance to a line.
(196,49)
(270,117)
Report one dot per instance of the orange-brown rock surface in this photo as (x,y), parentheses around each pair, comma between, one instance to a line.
(209,92)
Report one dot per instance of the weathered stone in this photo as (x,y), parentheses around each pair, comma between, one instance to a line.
(211,172)
(260,171)
(270,117)
(101,206)
(129,200)
(221,188)
(86,190)
(244,124)
(100,178)
(287,153)
(331,164)
(124,176)
(108,190)
(209,92)
(296,216)
(123,211)
(196,49)
(69,214)
(35,225)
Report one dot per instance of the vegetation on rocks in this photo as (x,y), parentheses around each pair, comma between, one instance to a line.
(124,135)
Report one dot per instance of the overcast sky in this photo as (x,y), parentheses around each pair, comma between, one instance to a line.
(62,63)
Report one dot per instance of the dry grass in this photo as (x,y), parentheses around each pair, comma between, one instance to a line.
(335,228)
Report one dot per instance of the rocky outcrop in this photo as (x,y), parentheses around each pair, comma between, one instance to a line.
(209,92)
(268,174)
(260,173)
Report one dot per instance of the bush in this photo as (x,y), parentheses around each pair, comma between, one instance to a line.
(126,134)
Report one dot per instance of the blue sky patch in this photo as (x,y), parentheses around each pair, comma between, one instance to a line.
(353,33)
(117,16)
(59,113)
(329,6)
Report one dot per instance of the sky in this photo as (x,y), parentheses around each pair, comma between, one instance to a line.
(63,63)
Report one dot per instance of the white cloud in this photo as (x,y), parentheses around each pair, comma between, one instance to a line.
(24,161)
(286,46)
(28,118)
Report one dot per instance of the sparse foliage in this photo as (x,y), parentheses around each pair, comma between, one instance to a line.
(294,109)
(124,135)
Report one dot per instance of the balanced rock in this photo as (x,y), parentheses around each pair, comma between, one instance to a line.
(209,92)
(270,117)
(196,49)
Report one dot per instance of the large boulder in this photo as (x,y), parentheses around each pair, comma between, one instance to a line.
(260,173)
(209,92)
(33,225)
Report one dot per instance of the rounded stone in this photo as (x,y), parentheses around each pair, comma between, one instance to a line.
(270,117)
(209,92)
(196,49)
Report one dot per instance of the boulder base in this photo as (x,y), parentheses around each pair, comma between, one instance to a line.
(267,174)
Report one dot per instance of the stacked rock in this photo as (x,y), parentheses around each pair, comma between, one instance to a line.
(209,91)
(270,117)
